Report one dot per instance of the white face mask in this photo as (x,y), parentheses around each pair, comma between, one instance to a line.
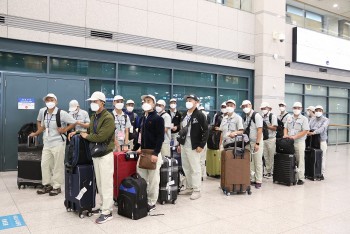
(224,110)
(230,109)
(264,112)
(159,109)
(130,108)
(50,105)
(119,106)
(282,108)
(94,106)
(246,110)
(189,105)
(296,111)
(173,106)
(318,114)
(146,107)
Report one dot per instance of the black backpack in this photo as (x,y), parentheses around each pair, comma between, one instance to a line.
(24,132)
(265,130)
(213,141)
(78,152)
(280,127)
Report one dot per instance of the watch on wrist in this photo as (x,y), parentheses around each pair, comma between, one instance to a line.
(257,143)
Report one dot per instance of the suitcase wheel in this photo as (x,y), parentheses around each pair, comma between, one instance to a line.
(69,210)
(174,202)
(228,194)
(162,202)
(294,183)
(249,191)
(116,204)
(89,214)
(81,215)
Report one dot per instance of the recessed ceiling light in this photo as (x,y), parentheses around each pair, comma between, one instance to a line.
(335,5)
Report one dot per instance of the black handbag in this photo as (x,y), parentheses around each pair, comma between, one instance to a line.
(183,133)
(97,149)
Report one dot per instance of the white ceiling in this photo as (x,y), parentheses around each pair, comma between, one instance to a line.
(343,7)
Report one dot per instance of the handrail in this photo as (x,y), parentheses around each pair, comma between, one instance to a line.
(337,132)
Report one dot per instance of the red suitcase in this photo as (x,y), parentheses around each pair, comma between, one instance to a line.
(124,166)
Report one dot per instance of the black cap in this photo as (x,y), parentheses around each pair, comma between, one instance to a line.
(194,97)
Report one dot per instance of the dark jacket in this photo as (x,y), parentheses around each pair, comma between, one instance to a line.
(176,121)
(134,120)
(152,130)
(104,131)
(199,129)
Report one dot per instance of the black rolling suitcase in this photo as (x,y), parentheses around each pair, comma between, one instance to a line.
(80,182)
(132,199)
(29,163)
(284,169)
(80,189)
(169,181)
(313,159)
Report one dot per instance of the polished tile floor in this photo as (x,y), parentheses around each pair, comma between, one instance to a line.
(316,207)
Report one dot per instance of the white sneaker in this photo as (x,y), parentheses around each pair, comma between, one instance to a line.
(195,195)
(186,192)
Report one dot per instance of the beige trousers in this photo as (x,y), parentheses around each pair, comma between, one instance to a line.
(269,153)
(256,163)
(324,154)
(300,156)
(165,150)
(152,178)
(104,168)
(191,164)
(52,165)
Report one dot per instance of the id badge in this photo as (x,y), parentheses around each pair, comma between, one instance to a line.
(47,131)
(131,129)
(121,135)
(139,140)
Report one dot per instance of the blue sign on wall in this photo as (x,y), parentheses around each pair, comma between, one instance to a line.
(11,221)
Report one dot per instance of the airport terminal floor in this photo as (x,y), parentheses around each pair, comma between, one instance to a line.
(316,207)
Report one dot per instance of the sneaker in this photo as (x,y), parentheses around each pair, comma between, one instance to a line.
(55,192)
(151,207)
(269,176)
(300,182)
(257,185)
(321,177)
(252,182)
(195,195)
(96,212)
(45,189)
(104,218)
(186,192)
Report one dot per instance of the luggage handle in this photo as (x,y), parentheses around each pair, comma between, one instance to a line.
(131,155)
(34,140)
(121,146)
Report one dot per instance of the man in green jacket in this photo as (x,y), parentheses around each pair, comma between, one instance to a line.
(101,129)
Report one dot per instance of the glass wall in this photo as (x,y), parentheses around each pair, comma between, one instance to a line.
(335,101)
(22,62)
(244,5)
(316,19)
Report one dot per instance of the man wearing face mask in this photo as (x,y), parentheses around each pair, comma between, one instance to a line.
(231,125)
(219,116)
(122,124)
(151,136)
(160,108)
(52,162)
(253,124)
(175,119)
(310,112)
(269,144)
(82,117)
(320,126)
(134,120)
(296,128)
(196,139)
(101,130)
(281,119)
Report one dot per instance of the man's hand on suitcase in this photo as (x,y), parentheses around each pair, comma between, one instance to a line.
(70,135)
(154,159)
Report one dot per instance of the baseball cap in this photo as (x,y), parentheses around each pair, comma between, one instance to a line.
(245,102)
(312,108)
(319,107)
(282,103)
(50,95)
(73,105)
(297,104)
(200,108)
(173,100)
(223,104)
(130,101)
(148,95)
(161,102)
(194,97)
(118,97)
(264,104)
(231,101)
(97,96)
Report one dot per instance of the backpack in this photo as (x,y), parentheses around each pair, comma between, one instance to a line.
(133,135)
(58,122)
(213,141)
(265,130)
(78,152)
(280,127)
(24,132)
